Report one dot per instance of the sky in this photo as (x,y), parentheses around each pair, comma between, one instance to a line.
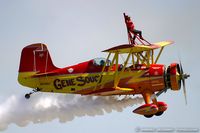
(78,30)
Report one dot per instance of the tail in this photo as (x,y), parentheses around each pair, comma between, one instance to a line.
(35,59)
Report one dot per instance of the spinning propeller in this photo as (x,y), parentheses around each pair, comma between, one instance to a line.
(183,76)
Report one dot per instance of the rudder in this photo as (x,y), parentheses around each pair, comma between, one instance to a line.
(36,58)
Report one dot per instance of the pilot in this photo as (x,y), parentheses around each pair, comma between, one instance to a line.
(102,63)
(131,28)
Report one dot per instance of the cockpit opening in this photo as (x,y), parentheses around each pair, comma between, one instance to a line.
(101,62)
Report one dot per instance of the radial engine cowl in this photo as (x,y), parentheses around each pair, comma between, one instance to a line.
(172,77)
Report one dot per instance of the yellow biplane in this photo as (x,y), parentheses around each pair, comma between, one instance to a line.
(138,73)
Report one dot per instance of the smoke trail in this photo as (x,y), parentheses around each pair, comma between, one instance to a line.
(43,108)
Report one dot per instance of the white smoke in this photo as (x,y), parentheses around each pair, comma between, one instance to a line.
(43,108)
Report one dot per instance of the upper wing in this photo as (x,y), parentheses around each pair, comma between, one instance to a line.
(127,48)
(163,43)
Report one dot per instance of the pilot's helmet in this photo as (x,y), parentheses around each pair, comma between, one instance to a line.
(102,62)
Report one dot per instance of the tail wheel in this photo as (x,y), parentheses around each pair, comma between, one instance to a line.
(27,96)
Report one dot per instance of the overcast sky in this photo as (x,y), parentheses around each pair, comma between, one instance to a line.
(78,30)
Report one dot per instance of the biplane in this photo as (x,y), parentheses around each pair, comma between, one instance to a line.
(138,73)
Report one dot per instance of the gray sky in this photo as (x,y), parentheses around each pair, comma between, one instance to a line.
(78,30)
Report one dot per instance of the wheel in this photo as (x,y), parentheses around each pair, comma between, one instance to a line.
(159,113)
(27,96)
(148,116)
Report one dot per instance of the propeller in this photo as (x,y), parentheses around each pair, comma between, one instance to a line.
(183,76)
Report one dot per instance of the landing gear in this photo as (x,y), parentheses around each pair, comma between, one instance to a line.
(148,116)
(159,113)
(28,95)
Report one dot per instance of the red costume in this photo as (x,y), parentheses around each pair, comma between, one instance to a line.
(130,25)
(131,29)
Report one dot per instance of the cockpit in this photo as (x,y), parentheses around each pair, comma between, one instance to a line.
(101,62)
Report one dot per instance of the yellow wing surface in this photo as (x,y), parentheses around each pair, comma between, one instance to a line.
(126,48)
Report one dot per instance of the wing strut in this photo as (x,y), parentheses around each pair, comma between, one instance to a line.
(117,76)
(158,56)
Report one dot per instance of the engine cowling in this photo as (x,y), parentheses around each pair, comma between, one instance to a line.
(172,78)
(156,70)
